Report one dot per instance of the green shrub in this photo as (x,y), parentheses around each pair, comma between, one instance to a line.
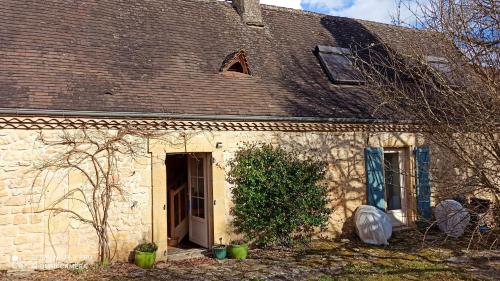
(146,247)
(279,199)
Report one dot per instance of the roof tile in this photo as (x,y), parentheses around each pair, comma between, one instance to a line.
(165,55)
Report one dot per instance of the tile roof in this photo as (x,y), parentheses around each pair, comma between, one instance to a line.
(164,56)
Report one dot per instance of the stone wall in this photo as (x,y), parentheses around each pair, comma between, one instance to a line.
(344,153)
(44,240)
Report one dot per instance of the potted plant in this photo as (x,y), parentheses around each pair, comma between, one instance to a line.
(238,250)
(220,250)
(145,255)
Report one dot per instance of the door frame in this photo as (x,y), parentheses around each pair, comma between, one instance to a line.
(208,167)
(404,166)
(210,199)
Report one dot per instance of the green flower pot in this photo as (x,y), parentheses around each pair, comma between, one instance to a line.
(239,252)
(220,252)
(144,260)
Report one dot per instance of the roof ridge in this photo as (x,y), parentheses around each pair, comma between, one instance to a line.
(312,13)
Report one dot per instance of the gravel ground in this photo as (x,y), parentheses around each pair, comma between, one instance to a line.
(325,260)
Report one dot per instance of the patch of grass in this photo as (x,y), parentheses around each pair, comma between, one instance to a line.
(406,258)
(396,270)
(435,254)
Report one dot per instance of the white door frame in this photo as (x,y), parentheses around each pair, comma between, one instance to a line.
(200,228)
(399,217)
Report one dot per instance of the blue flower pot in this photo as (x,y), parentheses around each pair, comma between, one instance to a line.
(220,252)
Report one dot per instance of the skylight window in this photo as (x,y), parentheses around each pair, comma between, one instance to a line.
(439,64)
(443,69)
(337,63)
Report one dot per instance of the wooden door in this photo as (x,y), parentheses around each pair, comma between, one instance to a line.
(177,211)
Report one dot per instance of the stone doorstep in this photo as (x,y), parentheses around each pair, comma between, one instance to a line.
(176,254)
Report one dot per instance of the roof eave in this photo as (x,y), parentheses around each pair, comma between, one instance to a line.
(197,117)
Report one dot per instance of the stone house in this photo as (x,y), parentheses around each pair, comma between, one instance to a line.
(213,75)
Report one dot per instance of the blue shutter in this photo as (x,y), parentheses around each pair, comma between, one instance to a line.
(375,177)
(423,183)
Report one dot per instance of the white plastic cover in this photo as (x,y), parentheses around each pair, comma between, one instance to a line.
(451,217)
(372,225)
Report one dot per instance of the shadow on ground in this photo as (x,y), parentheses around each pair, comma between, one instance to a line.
(405,259)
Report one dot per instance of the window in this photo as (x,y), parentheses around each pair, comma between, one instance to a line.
(442,69)
(197,175)
(338,64)
(236,67)
(392,173)
(236,64)
(395,185)
(387,181)
(440,64)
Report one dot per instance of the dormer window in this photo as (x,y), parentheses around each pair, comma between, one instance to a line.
(338,65)
(236,64)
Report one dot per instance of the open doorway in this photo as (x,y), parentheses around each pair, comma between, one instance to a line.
(188,194)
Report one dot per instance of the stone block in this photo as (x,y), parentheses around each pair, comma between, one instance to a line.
(30,209)
(4,210)
(20,219)
(16,209)
(8,230)
(23,239)
(36,218)
(6,241)
(16,201)
(4,259)
(30,228)
(3,190)
(27,250)
(5,219)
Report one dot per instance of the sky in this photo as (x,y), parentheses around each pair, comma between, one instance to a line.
(374,10)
